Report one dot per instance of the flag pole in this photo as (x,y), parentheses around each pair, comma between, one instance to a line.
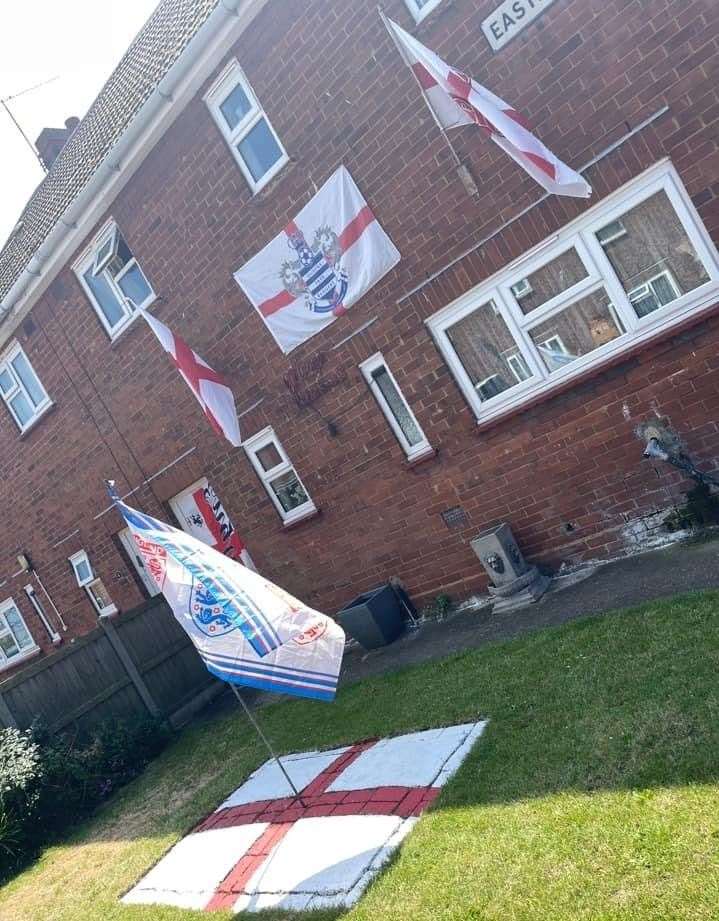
(443,131)
(260,733)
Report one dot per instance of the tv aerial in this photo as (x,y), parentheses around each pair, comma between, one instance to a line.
(4,103)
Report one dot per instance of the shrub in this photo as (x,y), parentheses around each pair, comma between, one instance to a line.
(49,782)
(21,776)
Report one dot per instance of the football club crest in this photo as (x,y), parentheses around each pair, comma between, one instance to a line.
(210,615)
(316,272)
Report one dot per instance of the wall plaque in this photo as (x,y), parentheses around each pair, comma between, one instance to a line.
(510,18)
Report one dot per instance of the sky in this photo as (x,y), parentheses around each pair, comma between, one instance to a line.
(77,41)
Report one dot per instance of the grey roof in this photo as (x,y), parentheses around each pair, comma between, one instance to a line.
(158,45)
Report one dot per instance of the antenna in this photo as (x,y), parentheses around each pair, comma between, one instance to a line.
(4,104)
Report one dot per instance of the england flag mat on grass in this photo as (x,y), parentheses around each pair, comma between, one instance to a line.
(324,260)
(262,848)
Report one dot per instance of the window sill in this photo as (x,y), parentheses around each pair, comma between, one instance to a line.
(289,525)
(12,663)
(37,420)
(131,324)
(611,361)
(422,458)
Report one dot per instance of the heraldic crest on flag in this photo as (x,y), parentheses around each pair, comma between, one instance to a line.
(322,263)
(247,630)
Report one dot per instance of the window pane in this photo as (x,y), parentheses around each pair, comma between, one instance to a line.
(6,381)
(259,150)
(577,330)
(235,107)
(83,571)
(134,285)
(289,491)
(269,457)
(397,406)
(483,343)
(22,408)
(8,645)
(654,251)
(20,632)
(29,381)
(549,281)
(105,298)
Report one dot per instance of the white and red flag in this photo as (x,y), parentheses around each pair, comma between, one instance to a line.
(457,99)
(322,263)
(210,389)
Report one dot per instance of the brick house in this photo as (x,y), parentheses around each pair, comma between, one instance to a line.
(497,373)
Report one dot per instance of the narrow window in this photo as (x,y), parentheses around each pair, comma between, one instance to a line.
(278,476)
(21,389)
(422,8)
(94,587)
(113,280)
(15,639)
(245,127)
(401,419)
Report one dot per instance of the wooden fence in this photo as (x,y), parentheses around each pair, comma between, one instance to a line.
(141,663)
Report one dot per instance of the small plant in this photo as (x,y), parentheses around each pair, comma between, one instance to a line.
(437,609)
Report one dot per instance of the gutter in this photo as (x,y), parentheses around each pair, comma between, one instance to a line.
(125,156)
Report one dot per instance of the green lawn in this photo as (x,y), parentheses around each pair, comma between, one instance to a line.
(592,794)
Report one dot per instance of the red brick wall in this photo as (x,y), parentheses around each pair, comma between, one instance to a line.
(567,474)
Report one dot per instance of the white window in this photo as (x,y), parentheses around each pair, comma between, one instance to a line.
(81,567)
(113,280)
(278,476)
(15,639)
(402,420)
(94,586)
(244,125)
(21,389)
(128,542)
(634,265)
(421,8)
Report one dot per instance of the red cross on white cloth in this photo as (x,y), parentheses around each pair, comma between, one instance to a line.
(262,849)
(210,389)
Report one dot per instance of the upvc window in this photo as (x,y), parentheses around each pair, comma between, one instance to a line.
(21,389)
(401,419)
(15,639)
(246,128)
(80,563)
(422,8)
(278,476)
(634,265)
(93,585)
(113,280)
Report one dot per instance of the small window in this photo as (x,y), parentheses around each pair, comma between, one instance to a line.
(113,280)
(21,389)
(15,638)
(278,476)
(82,568)
(422,8)
(246,128)
(402,420)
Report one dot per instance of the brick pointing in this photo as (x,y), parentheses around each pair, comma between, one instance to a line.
(336,92)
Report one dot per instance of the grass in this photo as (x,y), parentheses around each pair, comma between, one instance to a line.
(593,793)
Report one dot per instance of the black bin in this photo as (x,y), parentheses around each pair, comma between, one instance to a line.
(374,619)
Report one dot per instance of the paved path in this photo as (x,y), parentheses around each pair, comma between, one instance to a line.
(662,573)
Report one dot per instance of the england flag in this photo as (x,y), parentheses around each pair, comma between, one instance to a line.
(247,630)
(456,99)
(321,264)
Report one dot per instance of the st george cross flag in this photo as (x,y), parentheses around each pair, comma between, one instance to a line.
(247,630)
(457,100)
(210,389)
(322,263)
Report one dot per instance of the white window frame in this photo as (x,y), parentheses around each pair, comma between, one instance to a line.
(89,261)
(23,652)
(367,367)
(580,235)
(233,76)
(76,561)
(42,407)
(252,445)
(419,12)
